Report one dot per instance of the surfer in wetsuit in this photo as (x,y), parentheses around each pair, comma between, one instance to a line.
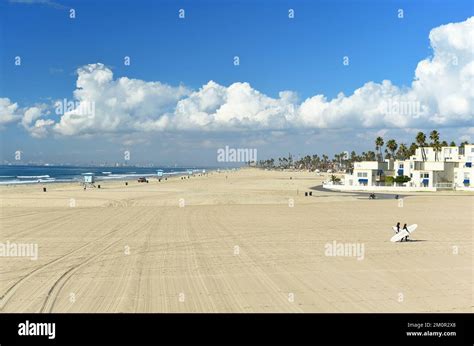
(405,228)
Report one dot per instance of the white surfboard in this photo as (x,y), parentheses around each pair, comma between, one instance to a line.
(403,233)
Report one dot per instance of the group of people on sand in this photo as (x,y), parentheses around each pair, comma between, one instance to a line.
(405,228)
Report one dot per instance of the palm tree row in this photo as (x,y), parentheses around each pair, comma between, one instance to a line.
(343,160)
(405,152)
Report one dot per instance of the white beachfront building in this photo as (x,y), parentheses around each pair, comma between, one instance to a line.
(430,169)
(449,168)
(369,173)
(464,172)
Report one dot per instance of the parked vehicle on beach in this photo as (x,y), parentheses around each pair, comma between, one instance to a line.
(142,180)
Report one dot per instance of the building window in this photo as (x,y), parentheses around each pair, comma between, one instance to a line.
(362,174)
(425,179)
(466,180)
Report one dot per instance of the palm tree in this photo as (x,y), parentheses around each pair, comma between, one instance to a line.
(325,160)
(336,160)
(370,156)
(412,149)
(461,146)
(353,156)
(378,145)
(392,146)
(421,141)
(434,136)
(402,152)
(343,158)
(315,162)
(307,162)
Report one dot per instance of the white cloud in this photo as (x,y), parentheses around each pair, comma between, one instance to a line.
(441,94)
(40,2)
(30,115)
(118,105)
(40,128)
(215,107)
(31,121)
(8,111)
(445,83)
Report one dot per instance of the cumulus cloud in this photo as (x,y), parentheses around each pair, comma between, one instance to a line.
(8,111)
(33,124)
(40,128)
(441,94)
(215,107)
(30,115)
(107,105)
(445,83)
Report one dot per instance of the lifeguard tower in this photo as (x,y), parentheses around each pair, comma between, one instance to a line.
(159,173)
(89,179)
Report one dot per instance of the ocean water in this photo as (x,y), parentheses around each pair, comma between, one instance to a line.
(47,174)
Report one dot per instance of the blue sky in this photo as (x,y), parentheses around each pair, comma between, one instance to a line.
(276,53)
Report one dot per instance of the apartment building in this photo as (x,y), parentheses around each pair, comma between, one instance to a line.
(448,168)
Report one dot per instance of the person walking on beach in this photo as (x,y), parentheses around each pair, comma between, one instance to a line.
(398,227)
(405,228)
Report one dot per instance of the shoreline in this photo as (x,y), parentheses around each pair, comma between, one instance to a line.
(105,178)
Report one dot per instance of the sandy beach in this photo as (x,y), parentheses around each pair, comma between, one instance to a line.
(240,241)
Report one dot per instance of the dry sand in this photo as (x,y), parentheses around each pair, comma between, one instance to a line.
(236,246)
